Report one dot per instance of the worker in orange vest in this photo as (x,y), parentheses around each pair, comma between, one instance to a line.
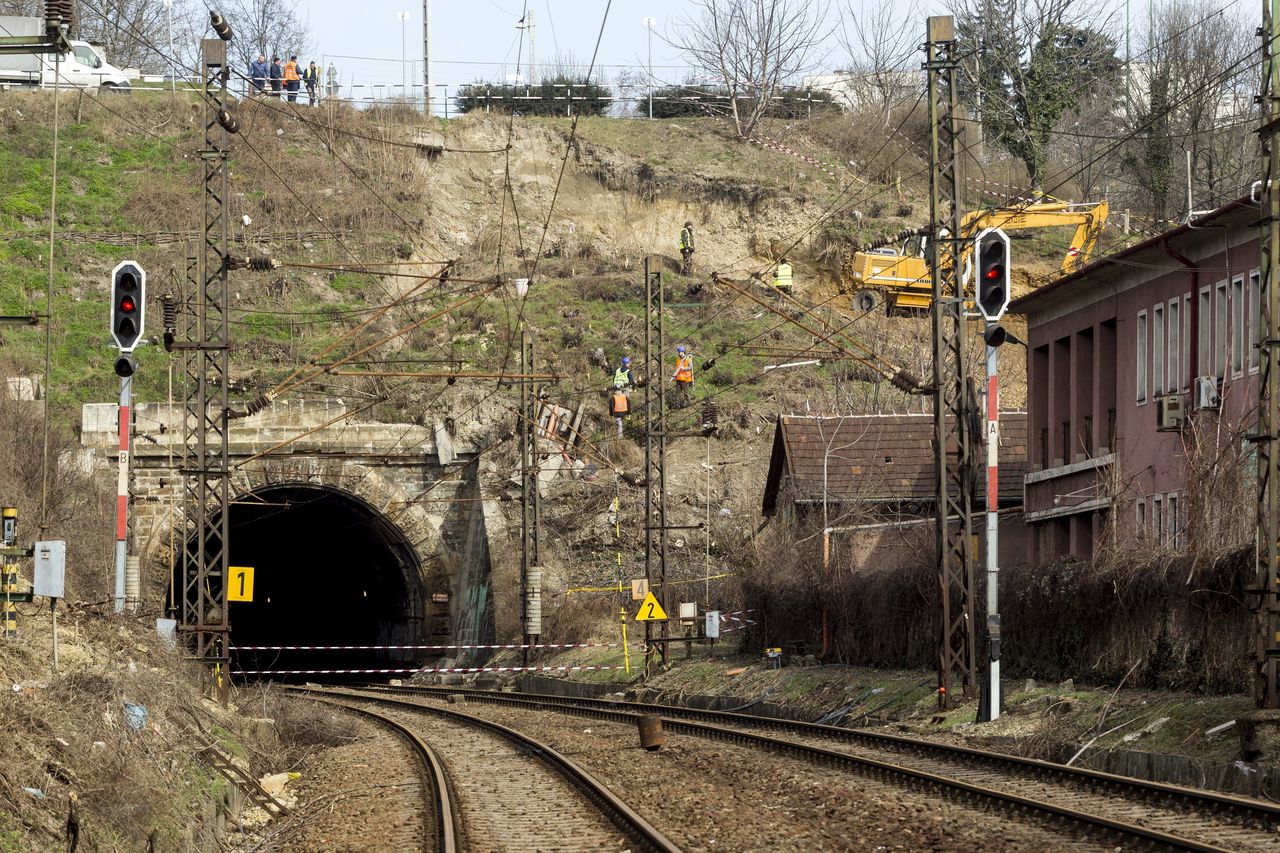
(683,376)
(619,406)
(292,79)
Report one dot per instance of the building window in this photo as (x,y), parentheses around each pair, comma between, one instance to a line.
(1157,518)
(1111,430)
(1255,319)
(1086,435)
(1066,442)
(1140,345)
(1204,336)
(1173,380)
(1157,350)
(1044,447)
(1220,330)
(1186,341)
(1140,516)
(1171,510)
(1237,326)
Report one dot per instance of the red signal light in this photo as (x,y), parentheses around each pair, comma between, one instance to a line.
(127,304)
(994,273)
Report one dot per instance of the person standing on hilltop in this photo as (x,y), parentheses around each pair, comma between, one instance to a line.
(683,377)
(292,79)
(258,71)
(686,248)
(276,73)
(311,79)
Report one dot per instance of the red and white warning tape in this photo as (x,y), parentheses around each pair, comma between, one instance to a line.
(423,648)
(424,671)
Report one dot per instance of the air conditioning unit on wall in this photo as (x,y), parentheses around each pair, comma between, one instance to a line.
(1204,393)
(1169,417)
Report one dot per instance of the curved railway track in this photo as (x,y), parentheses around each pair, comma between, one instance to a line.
(1151,815)
(503,782)
(442,825)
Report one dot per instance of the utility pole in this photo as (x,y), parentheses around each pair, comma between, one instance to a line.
(526,23)
(428,71)
(206,409)
(648,25)
(1266,600)
(655,460)
(404,53)
(952,406)
(530,500)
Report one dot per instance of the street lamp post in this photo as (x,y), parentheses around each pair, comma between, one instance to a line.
(173,73)
(648,25)
(404,53)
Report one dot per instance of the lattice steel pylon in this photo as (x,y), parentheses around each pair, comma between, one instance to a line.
(1266,594)
(206,409)
(953,403)
(655,459)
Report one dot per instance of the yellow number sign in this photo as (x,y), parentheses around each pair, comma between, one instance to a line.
(241,588)
(650,610)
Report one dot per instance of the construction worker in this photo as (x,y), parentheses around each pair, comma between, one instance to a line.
(619,406)
(292,79)
(782,277)
(623,377)
(686,248)
(683,377)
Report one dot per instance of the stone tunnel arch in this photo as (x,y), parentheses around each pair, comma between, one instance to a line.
(409,535)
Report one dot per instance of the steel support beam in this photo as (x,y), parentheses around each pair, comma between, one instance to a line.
(1266,595)
(205,467)
(655,460)
(954,401)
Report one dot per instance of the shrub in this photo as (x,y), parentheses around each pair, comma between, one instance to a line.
(547,98)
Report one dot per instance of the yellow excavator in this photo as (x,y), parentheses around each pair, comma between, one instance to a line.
(900,277)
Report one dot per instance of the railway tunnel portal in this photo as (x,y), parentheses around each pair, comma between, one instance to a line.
(360,534)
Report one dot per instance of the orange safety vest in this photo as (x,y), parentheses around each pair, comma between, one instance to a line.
(619,403)
(291,71)
(684,368)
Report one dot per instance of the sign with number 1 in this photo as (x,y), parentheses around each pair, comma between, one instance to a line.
(241,588)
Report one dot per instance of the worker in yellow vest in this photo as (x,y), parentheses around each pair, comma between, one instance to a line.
(782,277)
(683,377)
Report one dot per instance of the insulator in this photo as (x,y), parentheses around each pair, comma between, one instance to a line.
(220,26)
(169,310)
(710,416)
(906,381)
(258,403)
(262,263)
(58,10)
(228,121)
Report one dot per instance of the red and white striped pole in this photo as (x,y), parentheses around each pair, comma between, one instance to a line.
(992,546)
(122,492)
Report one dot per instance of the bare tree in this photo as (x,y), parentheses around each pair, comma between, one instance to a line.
(752,48)
(1191,96)
(267,27)
(882,53)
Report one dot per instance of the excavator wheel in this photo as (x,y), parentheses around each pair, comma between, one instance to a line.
(865,300)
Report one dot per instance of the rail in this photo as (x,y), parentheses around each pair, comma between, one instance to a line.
(1239,813)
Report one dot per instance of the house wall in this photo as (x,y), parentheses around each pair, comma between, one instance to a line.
(1102,351)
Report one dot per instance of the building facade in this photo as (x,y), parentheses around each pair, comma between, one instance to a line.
(1127,360)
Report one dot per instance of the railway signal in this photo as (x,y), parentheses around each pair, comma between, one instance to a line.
(128,307)
(991,257)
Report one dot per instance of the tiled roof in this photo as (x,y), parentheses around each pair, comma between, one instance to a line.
(879,458)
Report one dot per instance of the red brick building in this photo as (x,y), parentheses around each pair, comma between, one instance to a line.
(1122,356)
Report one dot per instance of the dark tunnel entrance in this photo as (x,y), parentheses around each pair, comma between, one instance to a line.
(329,570)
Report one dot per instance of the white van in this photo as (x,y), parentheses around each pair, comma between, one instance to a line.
(84,67)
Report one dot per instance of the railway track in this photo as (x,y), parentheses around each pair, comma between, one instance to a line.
(441,820)
(1134,812)
(509,791)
